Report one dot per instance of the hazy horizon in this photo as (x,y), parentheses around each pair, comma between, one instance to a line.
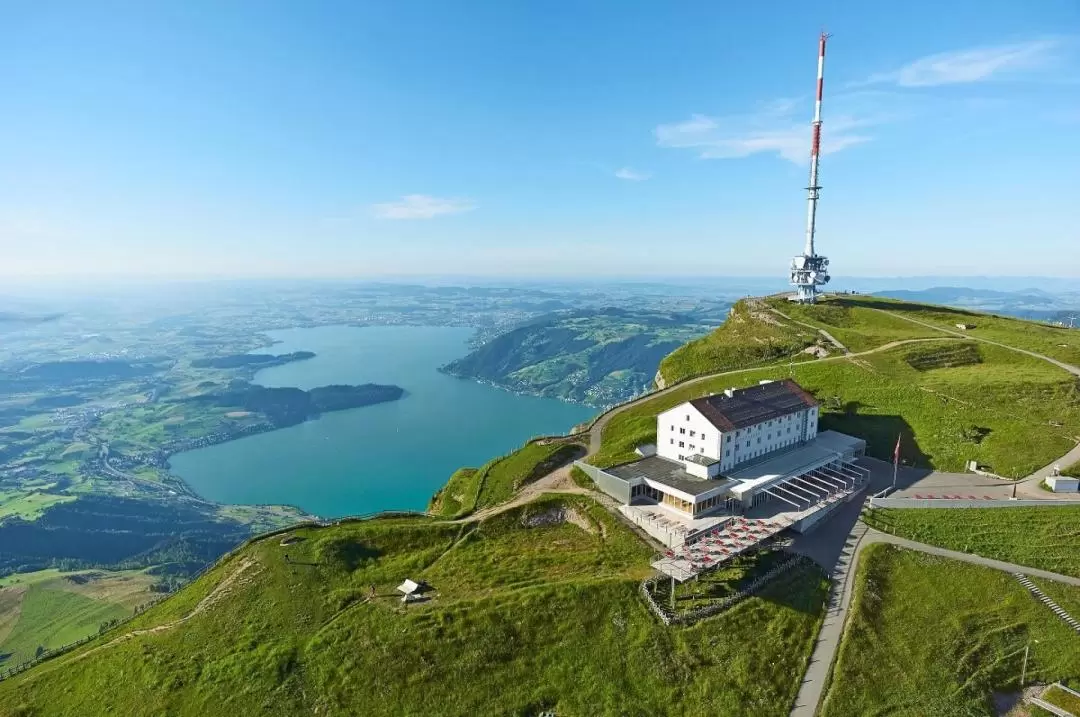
(335,139)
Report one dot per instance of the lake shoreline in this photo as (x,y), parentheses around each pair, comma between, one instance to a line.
(394,455)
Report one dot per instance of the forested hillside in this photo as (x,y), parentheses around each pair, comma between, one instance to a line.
(596,357)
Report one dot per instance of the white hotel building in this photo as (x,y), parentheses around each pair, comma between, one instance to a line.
(752,452)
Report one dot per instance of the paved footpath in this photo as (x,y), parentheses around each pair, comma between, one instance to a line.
(832,629)
(822,546)
(596,431)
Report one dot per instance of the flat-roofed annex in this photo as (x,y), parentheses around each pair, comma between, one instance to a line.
(670,474)
(752,405)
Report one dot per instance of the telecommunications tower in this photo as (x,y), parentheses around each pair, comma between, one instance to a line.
(809,270)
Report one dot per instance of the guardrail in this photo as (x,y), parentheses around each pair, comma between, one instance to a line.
(902,503)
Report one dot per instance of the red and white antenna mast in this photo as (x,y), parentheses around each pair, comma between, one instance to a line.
(810,270)
(815,149)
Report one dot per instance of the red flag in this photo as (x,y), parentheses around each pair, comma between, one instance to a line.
(896,452)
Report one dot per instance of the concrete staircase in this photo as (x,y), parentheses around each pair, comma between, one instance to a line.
(1041,596)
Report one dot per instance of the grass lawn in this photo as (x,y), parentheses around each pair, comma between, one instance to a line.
(715,585)
(458,496)
(997,410)
(1040,537)
(529,612)
(1064,595)
(504,477)
(751,336)
(500,478)
(1072,471)
(931,636)
(51,608)
(1065,700)
(1054,341)
(852,323)
(52,618)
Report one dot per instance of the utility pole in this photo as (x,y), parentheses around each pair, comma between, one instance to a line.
(1023,669)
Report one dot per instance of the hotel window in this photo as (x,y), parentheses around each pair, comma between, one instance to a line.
(682,444)
(692,433)
(672,441)
(688,417)
(727,452)
(703,436)
(682,431)
(692,447)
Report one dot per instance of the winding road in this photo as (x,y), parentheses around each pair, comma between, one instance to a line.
(596,430)
(860,535)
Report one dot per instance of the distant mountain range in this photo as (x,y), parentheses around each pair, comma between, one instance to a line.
(1029,303)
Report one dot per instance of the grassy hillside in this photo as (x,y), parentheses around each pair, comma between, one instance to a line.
(1057,342)
(1007,410)
(751,336)
(50,609)
(458,496)
(497,481)
(853,321)
(1045,538)
(599,357)
(534,609)
(930,636)
(761,331)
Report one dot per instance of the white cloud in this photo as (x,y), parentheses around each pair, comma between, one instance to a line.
(772,130)
(972,65)
(632,175)
(421,206)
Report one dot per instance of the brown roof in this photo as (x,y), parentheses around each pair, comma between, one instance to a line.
(749,406)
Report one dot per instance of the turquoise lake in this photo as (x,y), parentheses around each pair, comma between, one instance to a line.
(390,456)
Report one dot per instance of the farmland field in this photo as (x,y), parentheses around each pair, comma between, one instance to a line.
(49,609)
(29,505)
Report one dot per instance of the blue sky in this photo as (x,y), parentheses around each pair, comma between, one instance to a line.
(156,139)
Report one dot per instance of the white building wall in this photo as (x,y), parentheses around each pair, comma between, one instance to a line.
(683,431)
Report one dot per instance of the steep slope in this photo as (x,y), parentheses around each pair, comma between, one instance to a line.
(752,335)
(534,609)
(596,357)
(910,372)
